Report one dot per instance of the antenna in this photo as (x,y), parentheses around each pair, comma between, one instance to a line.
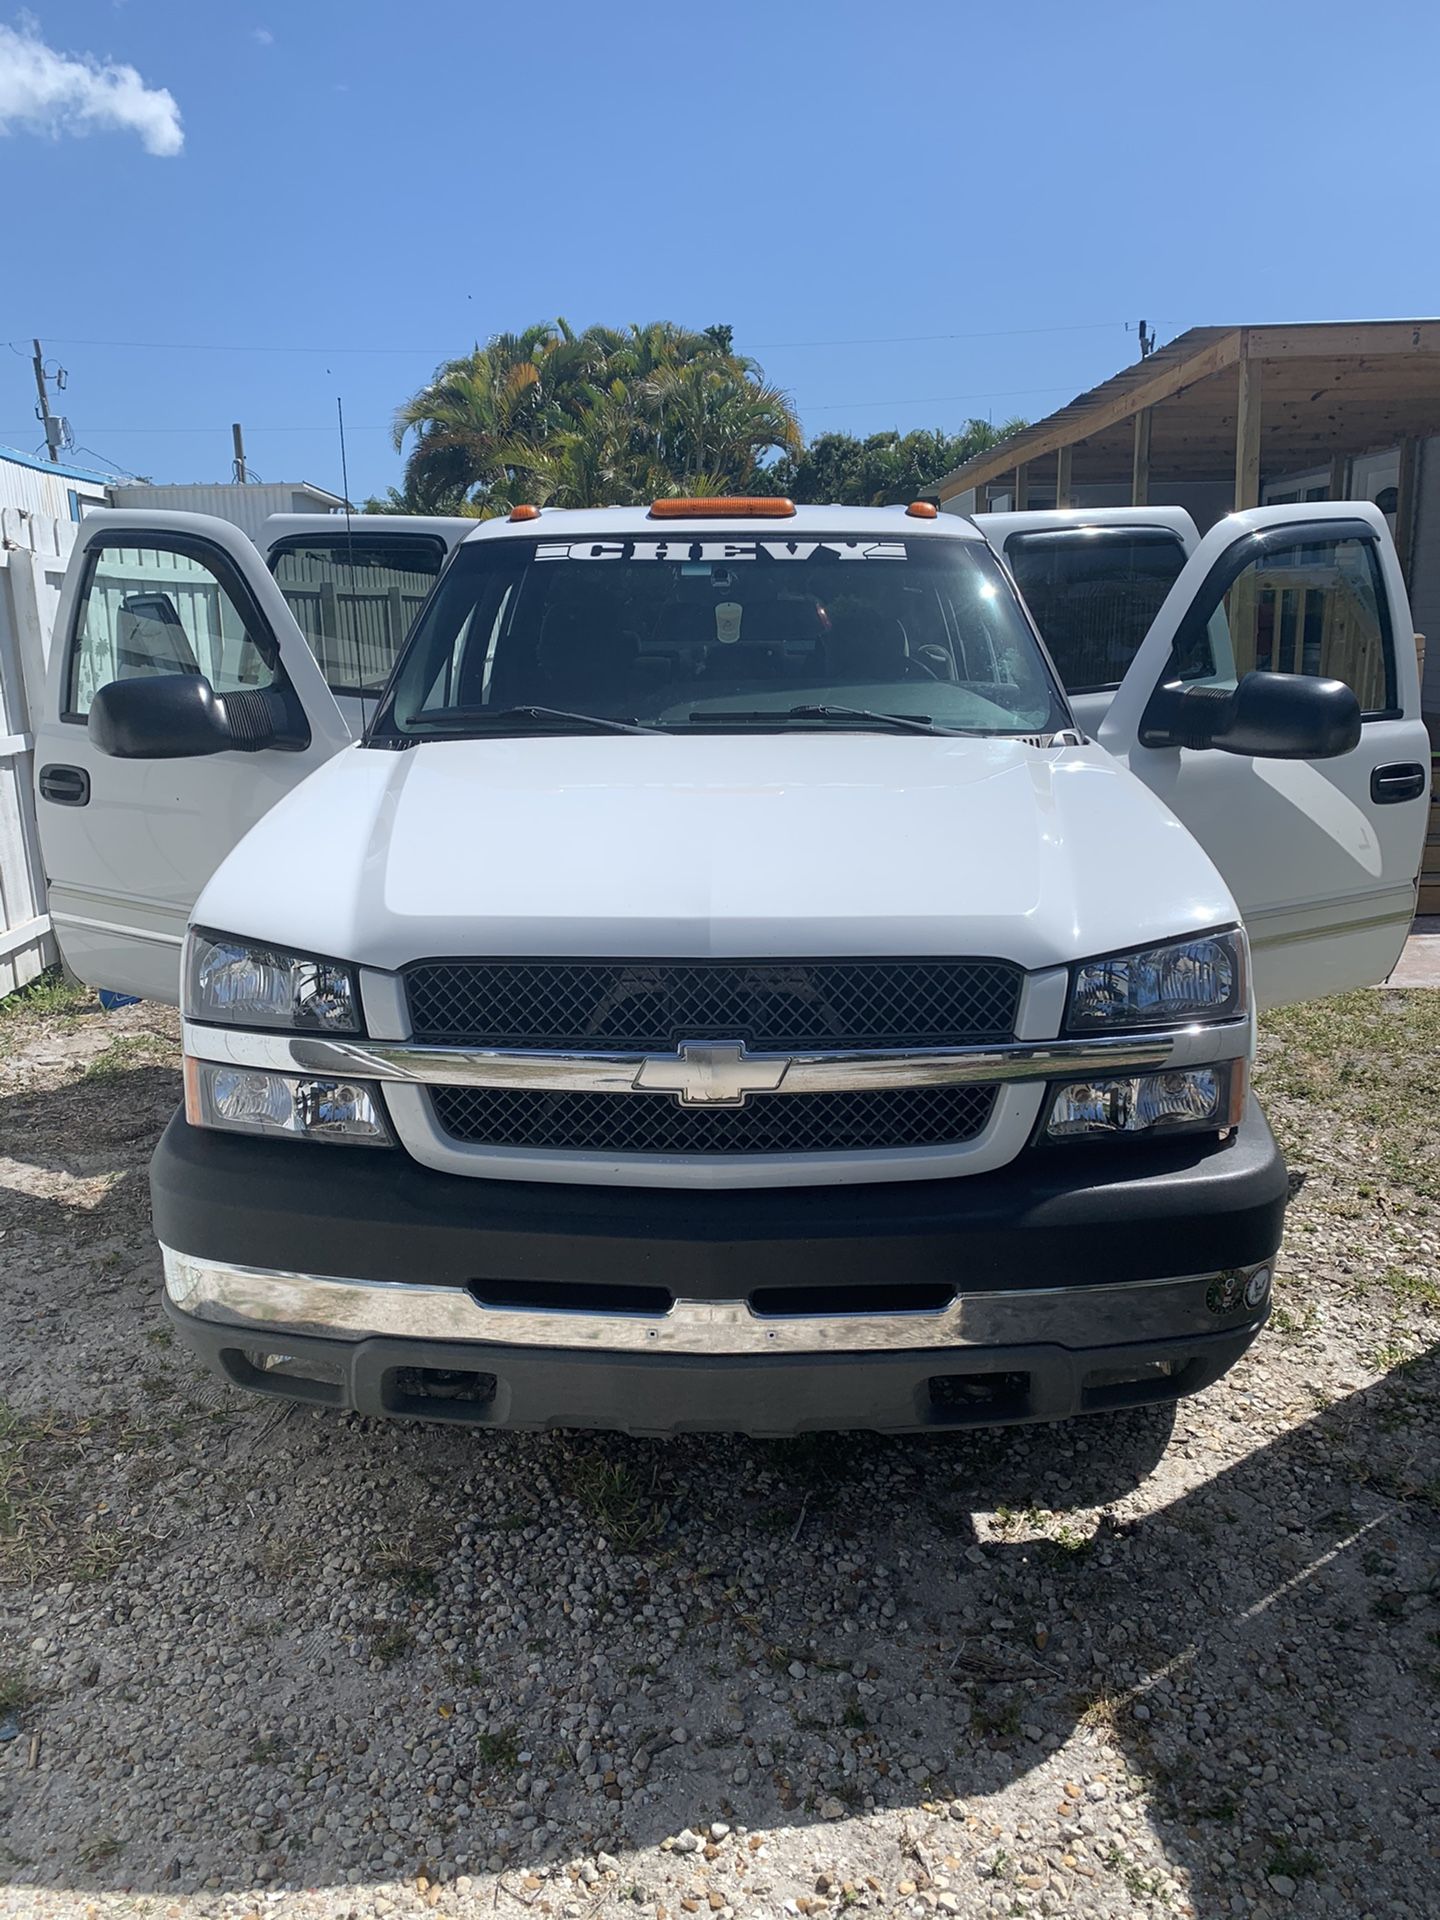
(350,554)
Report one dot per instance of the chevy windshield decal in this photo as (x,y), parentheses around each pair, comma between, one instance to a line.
(691,552)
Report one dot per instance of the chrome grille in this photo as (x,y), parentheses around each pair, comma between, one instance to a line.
(650,1006)
(654,1123)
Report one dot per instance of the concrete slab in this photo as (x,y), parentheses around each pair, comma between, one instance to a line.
(1419,964)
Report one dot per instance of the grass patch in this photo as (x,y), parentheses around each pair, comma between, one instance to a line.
(997,1717)
(392,1643)
(1411,1287)
(51,997)
(16,1692)
(617,1499)
(45,1526)
(1357,1057)
(96,1852)
(498,1750)
(126,1052)
(1299,1863)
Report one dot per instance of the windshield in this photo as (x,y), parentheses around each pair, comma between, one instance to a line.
(714,633)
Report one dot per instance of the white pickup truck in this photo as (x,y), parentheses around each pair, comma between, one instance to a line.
(729,983)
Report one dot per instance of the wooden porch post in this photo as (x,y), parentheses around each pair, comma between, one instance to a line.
(1022,487)
(1247,433)
(1063,489)
(1339,475)
(1405,504)
(1140,468)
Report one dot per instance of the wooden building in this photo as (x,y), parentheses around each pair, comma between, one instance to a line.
(1227,417)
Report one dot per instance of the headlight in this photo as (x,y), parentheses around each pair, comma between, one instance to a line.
(1182,1100)
(244,985)
(253,1100)
(1184,980)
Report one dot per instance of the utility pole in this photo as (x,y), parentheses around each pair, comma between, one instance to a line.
(239,470)
(51,439)
(1147,341)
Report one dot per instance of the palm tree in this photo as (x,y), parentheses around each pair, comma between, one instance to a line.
(589,419)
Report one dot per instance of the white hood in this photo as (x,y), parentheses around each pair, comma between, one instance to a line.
(632,846)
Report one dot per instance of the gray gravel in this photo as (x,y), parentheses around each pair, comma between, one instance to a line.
(266,1659)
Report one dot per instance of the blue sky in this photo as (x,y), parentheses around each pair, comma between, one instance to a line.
(908,213)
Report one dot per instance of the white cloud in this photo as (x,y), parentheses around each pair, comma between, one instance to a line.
(262,36)
(42,91)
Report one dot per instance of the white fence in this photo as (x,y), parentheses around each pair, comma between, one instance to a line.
(33,552)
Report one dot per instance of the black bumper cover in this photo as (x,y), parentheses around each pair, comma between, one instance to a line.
(1065,1217)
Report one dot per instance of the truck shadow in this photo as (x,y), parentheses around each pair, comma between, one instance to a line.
(1220,1657)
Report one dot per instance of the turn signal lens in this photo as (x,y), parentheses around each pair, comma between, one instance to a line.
(250,1100)
(736,507)
(1191,1099)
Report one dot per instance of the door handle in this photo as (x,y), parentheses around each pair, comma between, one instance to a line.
(66,786)
(1401,780)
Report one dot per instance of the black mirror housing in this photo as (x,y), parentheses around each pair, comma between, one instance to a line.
(1272,716)
(167,716)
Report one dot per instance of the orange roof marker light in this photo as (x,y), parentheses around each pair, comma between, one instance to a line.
(524,513)
(923,510)
(736,507)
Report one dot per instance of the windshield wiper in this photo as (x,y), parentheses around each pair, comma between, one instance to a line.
(905,722)
(483,719)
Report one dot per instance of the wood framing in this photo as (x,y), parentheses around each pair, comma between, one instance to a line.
(1140,463)
(1247,434)
(1330,391)
(1063,483)
(1405,495)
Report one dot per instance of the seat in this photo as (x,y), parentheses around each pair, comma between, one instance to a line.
(865,645)
(583,660)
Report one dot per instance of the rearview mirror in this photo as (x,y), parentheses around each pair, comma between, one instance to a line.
(168,716)
(1274,716)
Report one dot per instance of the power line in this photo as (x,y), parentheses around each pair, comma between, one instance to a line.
(911,339)
(823,406)
(869,340)
(933,399)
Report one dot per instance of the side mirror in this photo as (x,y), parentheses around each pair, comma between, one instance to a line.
(167,716)
(1274,716)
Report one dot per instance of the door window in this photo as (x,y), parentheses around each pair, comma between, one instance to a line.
(155,610)
(355,599)
(1094,592)
(1313,606)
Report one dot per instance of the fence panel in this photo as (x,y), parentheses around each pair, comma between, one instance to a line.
(33,553)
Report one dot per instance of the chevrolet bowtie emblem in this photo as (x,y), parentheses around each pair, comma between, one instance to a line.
(711,1073)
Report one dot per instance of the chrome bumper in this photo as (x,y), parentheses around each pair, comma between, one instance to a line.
(272,1302)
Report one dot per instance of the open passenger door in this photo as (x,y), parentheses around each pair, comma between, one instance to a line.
(128,843)
(1321,853)
(1094,578)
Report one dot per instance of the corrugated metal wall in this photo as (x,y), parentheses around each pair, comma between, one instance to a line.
(44,490)
(248,507)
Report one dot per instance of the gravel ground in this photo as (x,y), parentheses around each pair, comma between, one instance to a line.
(259,1659)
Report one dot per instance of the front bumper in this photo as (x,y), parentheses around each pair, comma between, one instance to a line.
(361,1279)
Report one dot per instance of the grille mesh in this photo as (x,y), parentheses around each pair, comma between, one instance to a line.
(650,1006)
(872,1119)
